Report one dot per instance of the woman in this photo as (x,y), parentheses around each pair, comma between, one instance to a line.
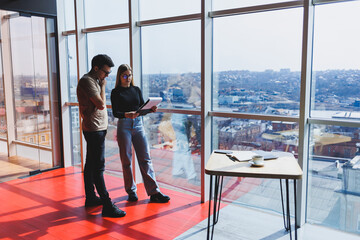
(126,100)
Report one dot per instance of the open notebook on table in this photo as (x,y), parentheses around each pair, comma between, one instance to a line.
(247,155)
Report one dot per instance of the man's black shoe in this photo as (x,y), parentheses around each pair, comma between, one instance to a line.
(92,202)
(132,197)
(159,198)
(112,211)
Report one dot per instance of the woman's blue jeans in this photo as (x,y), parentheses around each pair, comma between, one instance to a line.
(131,132)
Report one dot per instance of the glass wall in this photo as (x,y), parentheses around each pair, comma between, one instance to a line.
(256,58)
(333,195)
(31,79)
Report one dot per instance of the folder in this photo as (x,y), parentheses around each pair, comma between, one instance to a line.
(152,101)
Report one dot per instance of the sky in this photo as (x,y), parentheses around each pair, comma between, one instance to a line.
(255,42)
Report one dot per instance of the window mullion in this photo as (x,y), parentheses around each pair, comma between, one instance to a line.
(304,127)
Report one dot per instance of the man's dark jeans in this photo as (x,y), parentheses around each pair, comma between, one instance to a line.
(95,165)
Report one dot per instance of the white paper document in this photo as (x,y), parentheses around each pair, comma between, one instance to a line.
(152,101)
(247,155)
(242,155)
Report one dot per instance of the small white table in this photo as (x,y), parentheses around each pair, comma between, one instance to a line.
(284,167)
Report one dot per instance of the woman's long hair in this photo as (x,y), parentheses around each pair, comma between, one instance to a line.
(123,68)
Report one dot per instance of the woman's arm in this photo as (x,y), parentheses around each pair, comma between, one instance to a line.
(115,105)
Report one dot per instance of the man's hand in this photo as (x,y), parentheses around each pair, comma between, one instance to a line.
(102,82)
(131,115)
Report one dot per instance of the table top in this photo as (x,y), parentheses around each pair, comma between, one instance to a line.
(283,167)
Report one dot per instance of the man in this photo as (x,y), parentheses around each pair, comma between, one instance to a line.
(92,104)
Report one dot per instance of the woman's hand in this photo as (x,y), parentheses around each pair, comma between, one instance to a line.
(131,115)
(154,108)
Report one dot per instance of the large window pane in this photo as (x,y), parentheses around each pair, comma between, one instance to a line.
(75,135)
(228,4)
(336,64)
(257,64)
(247,135)
(175,142)
(69,12)
(112,156)
(106,12)
(171,64)
(167,8)
(333,188)
(3,127)
(116,45)
(30,77)
(72,67)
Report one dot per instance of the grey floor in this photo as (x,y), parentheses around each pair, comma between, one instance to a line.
(243,223)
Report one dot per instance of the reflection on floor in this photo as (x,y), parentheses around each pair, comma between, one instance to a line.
(51,206)
(15,167)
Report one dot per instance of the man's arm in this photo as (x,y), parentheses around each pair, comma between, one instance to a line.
(100,100)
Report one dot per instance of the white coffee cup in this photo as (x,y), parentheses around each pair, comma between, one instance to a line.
(258,159)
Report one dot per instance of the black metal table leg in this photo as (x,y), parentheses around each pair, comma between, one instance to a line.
(288,206)
(282,205)
(209,213)
(216,204)
(295,209)
(219,197)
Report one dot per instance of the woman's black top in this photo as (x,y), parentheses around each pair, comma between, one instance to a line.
(125,99)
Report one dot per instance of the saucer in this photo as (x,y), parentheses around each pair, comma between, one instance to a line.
(257,165)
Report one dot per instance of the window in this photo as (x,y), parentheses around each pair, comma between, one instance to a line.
(175,141)
(171,64)
(106,12)
(30,76)
(336,68)
(257,64)
(71,65)
(249,135)
(332,179)
(113,43)
(171,69)
(75,135)
(165,8)
(69,12)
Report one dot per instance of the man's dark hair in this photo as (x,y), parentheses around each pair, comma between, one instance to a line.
(100,60)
